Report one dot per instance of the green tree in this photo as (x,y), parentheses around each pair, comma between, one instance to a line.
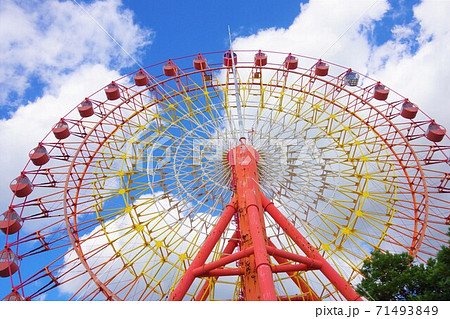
(396,277)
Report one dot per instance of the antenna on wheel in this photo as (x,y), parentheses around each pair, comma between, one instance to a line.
(236,89)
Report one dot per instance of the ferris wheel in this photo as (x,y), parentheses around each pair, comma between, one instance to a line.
(238,175)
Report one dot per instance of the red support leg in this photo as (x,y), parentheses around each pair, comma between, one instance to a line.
(198,272)
(263,268)
(311,263)
(220,272)
(255,269)
(188,278)
(229,248)
(344,287)
(304,288)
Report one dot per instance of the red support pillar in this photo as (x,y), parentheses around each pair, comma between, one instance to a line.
(229,248)
(257,280)
(304,288)
(343,286)
(254,267)
(188,278)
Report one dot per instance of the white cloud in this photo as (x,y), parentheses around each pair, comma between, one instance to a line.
(58,45)
(315,30)
(402,32)
(433,17)
(147,246)
(43,40)
(340,32)
(423,75)
(30,123)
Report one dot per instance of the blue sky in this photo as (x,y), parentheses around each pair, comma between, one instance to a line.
(52,54)
(202,25)
(171,29)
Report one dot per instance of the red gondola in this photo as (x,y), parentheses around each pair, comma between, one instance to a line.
(39,156)
(86,108)
(140,79)
(291,62)
(112,91)
(200,62)
(9,263)
(10,222)
(321,68)
(435,132)
(61,130)
(170,68)
(21,186)
(381,92)
(260,59)
(228,61)
(409,110)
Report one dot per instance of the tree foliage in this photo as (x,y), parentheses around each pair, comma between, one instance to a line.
(396,277)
